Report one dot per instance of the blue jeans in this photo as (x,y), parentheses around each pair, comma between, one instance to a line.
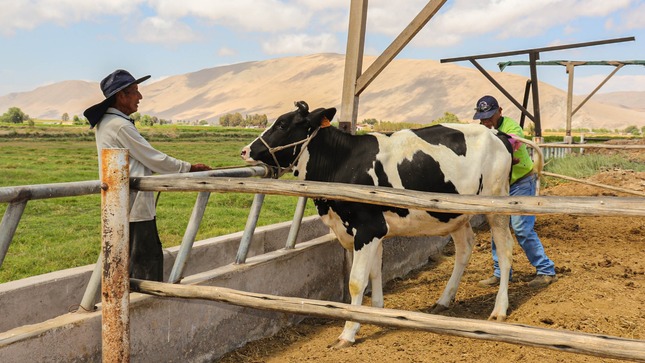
(525,234)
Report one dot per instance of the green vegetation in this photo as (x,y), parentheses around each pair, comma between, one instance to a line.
(61,233)
(583,166)
(632,130)
(388,126)
(236,120)
(14,115)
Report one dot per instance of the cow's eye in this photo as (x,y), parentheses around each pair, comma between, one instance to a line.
(282,126)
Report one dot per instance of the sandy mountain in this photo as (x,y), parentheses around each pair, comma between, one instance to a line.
(629,100)
(51,101)
(406,91)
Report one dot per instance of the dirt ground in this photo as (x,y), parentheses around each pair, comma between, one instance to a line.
(601,289)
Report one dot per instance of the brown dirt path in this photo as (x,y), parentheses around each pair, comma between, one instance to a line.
(601,290)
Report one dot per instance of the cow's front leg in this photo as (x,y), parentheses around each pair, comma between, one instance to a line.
(504,243)
(463,238)
(376,277)
(362,268)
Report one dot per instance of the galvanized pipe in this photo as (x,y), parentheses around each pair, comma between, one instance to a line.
(115,281)
(295,224)
(235,172)
(9,225)
(249,229)
(73,189)
(46,191)
(89,297)
(189,237)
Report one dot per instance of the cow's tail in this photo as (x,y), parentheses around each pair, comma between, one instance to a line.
(538,161)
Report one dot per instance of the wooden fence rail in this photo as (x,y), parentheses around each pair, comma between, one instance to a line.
(599,185)
(562,340)
(438,202)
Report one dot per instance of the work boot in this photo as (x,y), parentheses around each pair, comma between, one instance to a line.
(491,281)
(542,281)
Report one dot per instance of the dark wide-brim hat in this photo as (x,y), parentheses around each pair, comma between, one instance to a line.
(110,85)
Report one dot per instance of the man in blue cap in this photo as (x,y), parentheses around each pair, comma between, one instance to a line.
(523,182)
(115,129)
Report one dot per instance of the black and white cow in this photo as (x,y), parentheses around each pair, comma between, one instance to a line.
(450,158)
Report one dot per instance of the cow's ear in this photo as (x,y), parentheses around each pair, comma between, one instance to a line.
(330,113)
(319,115)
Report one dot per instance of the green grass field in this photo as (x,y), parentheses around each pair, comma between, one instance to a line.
(60,233)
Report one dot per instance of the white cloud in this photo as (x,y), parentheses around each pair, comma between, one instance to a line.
(321,7)
(226,52)
(164,31)
(244,15)
(247,15)
(505,19)
(389,17)
(302,44)
(633,19)
(26,15)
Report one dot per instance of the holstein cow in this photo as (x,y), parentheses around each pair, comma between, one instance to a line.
(451,158)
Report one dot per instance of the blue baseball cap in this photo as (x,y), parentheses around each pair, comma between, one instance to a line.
(110,86)
(485,108)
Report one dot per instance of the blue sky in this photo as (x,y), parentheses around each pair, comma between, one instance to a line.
(47,41)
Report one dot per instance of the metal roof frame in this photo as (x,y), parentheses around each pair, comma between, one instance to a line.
(355,81)
(532,84)
(570,65)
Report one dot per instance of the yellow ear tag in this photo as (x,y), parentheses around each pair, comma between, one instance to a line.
(325,123)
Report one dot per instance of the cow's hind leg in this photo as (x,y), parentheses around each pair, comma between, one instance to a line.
(363,265)
(501,232)
(463,238)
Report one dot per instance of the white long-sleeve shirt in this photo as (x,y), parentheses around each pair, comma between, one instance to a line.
(115,130)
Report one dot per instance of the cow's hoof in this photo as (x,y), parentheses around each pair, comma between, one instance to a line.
(499,318)
(438,308)
(341,344)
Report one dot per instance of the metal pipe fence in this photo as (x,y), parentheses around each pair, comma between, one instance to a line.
(17,198)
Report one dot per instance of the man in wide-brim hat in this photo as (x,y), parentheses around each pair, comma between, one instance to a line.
(114,83)
(115,129)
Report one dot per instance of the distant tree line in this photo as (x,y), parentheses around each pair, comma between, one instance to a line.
(147,120)
(631,130)
(236,120)
(14,116)
(388,126)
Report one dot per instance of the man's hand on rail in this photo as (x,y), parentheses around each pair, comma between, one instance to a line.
(199,167)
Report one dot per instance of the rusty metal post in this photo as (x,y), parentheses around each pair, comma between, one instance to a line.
(115,294)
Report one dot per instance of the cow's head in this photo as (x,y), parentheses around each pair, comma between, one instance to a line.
(282,144)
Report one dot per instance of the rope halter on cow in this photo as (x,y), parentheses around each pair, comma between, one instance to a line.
(281,170)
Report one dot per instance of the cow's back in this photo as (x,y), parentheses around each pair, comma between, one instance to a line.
(451,158)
